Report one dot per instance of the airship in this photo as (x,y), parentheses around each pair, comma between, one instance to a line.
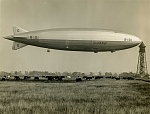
(73,39)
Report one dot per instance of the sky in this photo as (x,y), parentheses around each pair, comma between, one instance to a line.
(128,16)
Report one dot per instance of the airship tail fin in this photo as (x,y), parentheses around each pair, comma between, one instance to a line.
(17,45)
(18,30)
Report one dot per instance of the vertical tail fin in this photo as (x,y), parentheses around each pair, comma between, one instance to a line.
(18,30)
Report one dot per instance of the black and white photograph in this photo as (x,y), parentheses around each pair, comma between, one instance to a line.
(74,56)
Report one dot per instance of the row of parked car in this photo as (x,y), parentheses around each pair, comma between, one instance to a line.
(99,77)
(118,78)
(35,77)
(59,78)
(88,78)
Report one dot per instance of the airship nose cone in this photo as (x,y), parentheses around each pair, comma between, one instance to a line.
(139,40)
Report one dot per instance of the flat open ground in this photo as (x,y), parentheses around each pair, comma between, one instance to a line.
(104,96)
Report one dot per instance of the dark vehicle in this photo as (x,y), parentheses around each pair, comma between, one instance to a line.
(16,77)
(43,76)
(98,77)
(50,77)
(78,79)
(26,77)
(89,78)
(36,78)
(84,77)
(117,78)
(108,76)
(59,78)
(125,78)
(130,78)
(113,77)
(3,78)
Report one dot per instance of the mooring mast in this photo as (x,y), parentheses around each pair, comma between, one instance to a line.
(142,65)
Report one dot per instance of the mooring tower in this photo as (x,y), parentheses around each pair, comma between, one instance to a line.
(142,65)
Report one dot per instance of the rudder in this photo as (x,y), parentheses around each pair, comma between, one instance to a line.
(18,30)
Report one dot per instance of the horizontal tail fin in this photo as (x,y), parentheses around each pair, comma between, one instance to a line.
(17,45)
(18,30)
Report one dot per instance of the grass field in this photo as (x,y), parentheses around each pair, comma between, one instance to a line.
(105,96)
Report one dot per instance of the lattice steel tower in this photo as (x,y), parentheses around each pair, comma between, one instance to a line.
(142,65)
